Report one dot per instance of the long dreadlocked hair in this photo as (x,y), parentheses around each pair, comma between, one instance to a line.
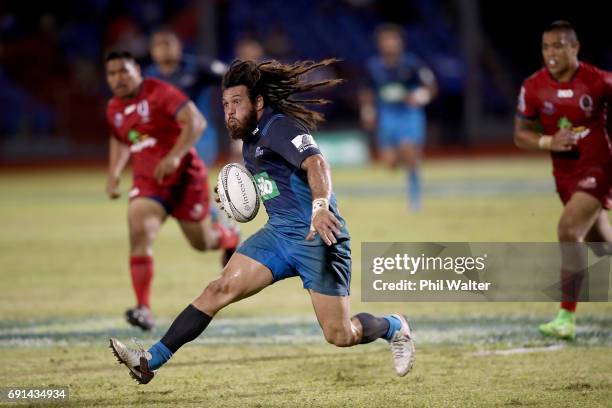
(277,83)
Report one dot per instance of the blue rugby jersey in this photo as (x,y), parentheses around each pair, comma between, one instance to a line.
(274,154)
(392,84)
(193,75)
(197,77)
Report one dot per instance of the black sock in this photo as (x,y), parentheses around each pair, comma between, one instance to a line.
(373,327)
(186,327)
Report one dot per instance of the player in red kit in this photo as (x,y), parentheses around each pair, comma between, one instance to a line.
(156,126)
(569,100)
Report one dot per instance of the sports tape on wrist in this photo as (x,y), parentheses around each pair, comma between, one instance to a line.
(544,142)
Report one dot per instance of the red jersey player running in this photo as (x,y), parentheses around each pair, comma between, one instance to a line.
(157,125)
(569,99)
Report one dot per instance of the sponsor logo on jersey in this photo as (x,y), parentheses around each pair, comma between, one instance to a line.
(564,123)
(303,142)
(118,119)
(548,108)
(129,109)
(580,132)
(144,144)
(266,186)
(588,183)
(140,141)
(565,93)
(393,92)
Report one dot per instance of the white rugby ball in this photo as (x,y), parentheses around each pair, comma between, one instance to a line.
(238,192)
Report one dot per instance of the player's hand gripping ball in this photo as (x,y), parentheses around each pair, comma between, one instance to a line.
(238,195)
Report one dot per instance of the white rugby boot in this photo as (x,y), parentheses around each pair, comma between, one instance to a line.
(136,360)
(402,347)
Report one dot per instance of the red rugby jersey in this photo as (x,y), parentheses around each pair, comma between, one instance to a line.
(147,123)
(579,105)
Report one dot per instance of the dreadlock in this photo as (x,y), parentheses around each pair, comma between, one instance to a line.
(277,83)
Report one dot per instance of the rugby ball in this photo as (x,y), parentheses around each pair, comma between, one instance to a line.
(238,192)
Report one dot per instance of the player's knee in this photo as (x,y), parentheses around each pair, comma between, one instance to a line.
(141,241)
(338,336)
(568,232)
(222,288)
(143,233)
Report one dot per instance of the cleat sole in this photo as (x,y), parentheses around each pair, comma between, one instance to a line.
(146,375)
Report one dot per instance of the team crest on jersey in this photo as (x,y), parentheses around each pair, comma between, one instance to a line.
(548,108)
(586,103)
(259,151)
(142,108)
(118,120)
(303,142)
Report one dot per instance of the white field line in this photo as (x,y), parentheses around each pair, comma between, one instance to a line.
(519,350)
(295,330)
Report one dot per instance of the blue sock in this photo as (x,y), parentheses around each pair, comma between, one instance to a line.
(394,325)
(160,354)
(414,189)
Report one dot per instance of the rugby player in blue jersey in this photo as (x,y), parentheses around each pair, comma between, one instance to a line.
(198,77)
(305,235)
(400,86)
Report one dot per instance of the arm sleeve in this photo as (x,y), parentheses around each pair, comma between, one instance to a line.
(172,99)
(424,73)
(111,126)
(607,80)
(367,79)
(527,107)
(210,72)
(291,140)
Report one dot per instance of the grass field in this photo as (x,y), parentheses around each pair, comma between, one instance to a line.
(65,285)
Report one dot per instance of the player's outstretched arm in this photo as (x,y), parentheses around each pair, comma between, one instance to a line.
(323,221)
(424,94)
(192,124)
(118,156)
(367,109)
(527,137)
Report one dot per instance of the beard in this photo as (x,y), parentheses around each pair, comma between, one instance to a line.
(241,130)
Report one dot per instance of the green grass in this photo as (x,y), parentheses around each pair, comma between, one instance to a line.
(318,376)
(64,279)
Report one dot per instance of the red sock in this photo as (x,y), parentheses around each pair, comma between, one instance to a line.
(228,238)
(570,289)
(569,306)
(141,269)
